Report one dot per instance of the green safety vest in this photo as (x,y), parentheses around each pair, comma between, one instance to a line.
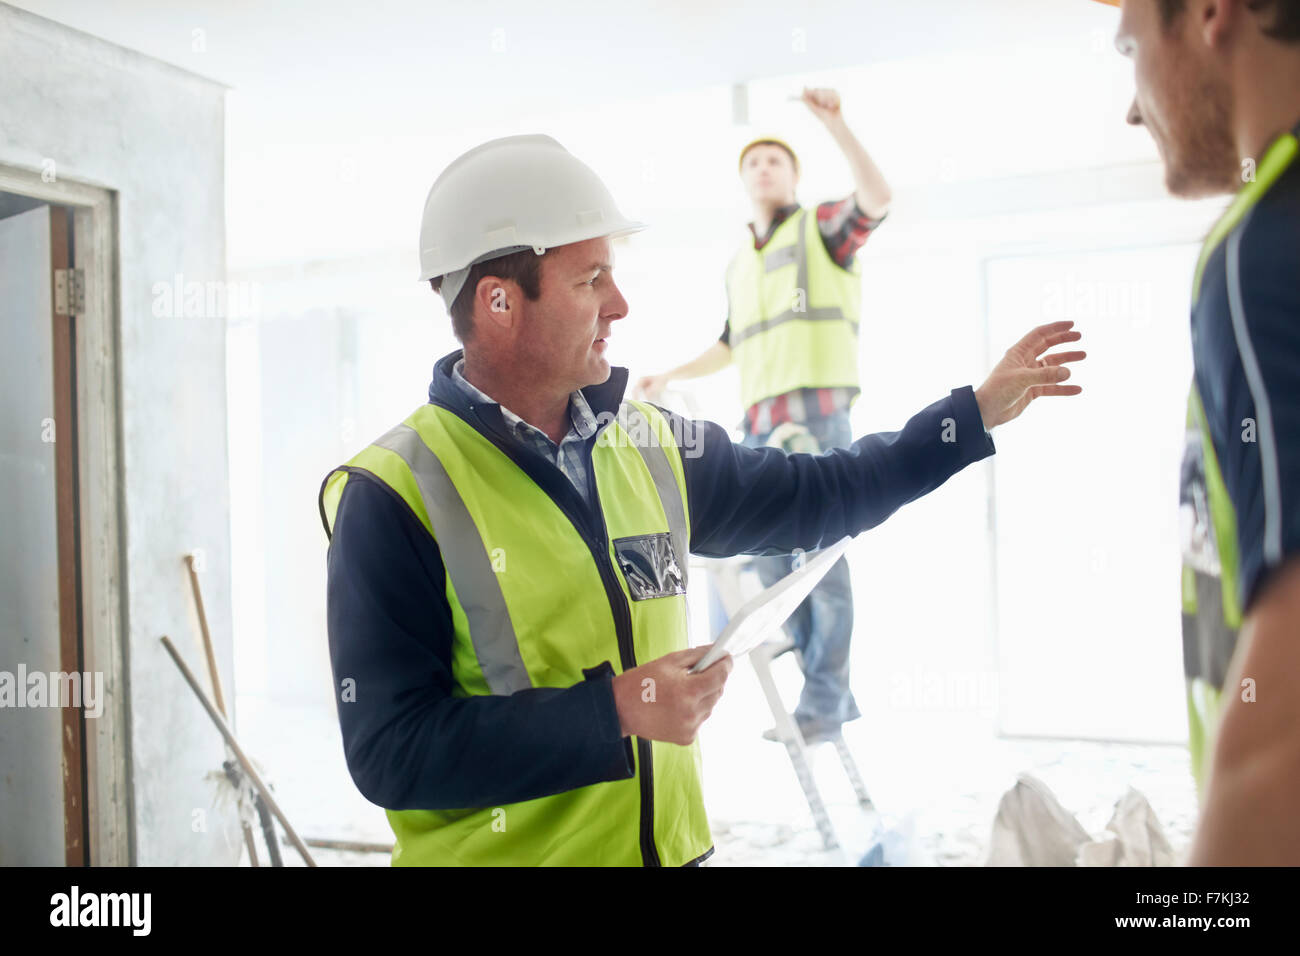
(793,313)
(1212,611)
(534,605)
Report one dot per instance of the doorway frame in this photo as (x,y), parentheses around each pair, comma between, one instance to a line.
(101,502)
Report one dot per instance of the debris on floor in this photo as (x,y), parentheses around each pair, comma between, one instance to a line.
(1032,828)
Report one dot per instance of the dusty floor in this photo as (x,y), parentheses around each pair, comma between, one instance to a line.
(939,785)
(952,826)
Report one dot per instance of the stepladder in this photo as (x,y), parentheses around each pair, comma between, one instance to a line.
(730,577)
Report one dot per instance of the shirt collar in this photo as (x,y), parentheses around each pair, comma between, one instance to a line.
(781,215)
(582,420)
(603,399)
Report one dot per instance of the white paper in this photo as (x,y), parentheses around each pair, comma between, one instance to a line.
(764,613)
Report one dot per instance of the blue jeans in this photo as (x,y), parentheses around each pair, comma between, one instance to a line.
(822,626)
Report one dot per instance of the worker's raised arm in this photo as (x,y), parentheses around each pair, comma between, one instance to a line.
(870,189)
(408,742)
(746,500)
(713,359)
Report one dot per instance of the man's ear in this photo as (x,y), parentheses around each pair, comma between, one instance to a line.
(496,298)
(1217,18)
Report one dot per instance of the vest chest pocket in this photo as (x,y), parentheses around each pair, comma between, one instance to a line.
(650,566)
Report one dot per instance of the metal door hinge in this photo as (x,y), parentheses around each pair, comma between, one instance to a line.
(69,291)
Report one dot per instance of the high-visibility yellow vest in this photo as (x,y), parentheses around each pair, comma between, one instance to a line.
(1211,610)
(1212,613)
(534,604)
(793,313)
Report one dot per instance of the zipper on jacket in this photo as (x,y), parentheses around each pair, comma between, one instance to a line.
(649,852)
(622,614)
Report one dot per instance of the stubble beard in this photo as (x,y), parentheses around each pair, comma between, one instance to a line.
(1204,160)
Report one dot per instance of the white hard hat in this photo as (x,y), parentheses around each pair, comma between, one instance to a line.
(507,195)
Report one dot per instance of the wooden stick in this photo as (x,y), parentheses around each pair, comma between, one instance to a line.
(244,762)
(268,833)
(215,676)
(207,641)
(356,846)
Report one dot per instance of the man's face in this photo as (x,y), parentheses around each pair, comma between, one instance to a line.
(768,174)
(566,328)
(1182,97)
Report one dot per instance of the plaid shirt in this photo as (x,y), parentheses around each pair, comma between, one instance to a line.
(568,455)
(844,228)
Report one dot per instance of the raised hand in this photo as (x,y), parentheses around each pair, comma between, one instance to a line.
(1025,373)
(649,387)
(824,103)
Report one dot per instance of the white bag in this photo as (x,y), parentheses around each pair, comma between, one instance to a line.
(1033,829)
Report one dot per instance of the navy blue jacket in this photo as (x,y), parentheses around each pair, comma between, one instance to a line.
(1246,347)
(410,744)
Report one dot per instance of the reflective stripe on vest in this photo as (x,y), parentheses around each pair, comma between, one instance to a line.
(477,586)
(508,546)
(793,313)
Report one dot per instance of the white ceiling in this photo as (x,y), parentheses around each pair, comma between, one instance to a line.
(340,113)
(326,60)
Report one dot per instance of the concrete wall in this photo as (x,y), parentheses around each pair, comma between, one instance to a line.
(154,135)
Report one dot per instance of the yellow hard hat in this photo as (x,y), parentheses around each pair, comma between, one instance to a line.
(1113,3)
(767,141)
